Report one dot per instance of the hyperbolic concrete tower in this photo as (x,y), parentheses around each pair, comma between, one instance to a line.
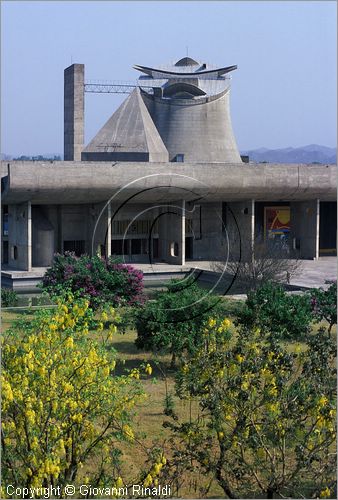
(179,113)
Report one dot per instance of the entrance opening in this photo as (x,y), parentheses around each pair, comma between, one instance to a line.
(155,248)
(189,247)
(5,252)
(328,228)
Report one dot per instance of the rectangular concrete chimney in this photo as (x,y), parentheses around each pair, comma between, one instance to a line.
(73,112)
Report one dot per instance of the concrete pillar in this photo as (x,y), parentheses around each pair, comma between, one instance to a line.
(29,236)
(59,247)
(304,228)
(73,112)
(109,231)
(240,224)
(172,233)
(182,235)
(20,236)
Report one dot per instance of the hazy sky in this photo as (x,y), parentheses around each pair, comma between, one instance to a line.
(283,93)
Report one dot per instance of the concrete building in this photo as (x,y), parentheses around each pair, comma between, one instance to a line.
(162,181)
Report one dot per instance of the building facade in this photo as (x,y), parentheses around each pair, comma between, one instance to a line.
(162,181)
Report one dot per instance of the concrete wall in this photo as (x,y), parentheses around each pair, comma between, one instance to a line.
(240,225)
(20,236)
(207,230)
(304,228)
(86,182)
(73,112)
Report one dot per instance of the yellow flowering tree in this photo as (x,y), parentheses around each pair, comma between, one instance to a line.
(64,411)
(267,419)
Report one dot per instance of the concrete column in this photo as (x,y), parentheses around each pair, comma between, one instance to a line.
(73,112)
(182,235)
(172,233)
(59,247)
(304,228)
(109,231)
(29,236)
(20,236)
(317,227)
(240,224)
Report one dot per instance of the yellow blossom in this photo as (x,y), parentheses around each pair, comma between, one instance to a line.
(119,482)
(148,480)
(226,323)
(128,432)
(323,401)
(77,418)
(211,322)
(69,342)
(7,392)
(325,493)
(30,414)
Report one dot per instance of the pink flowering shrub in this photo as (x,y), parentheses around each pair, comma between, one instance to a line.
(102,281)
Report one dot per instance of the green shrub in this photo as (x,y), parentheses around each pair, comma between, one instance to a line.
(272,310)
(174,321)
(324,305)
(9,297)
(102,281)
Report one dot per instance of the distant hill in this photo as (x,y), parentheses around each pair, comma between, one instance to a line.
(47,156)
(312,153)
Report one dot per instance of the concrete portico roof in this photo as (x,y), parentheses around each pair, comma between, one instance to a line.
(93,182)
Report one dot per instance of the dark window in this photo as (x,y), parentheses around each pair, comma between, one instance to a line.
(4,220)
(179,158)
(328,228)
(189,247)
(76,246)
(119,247)
(136,247)
(5,224)
(5,252)
(155,248)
